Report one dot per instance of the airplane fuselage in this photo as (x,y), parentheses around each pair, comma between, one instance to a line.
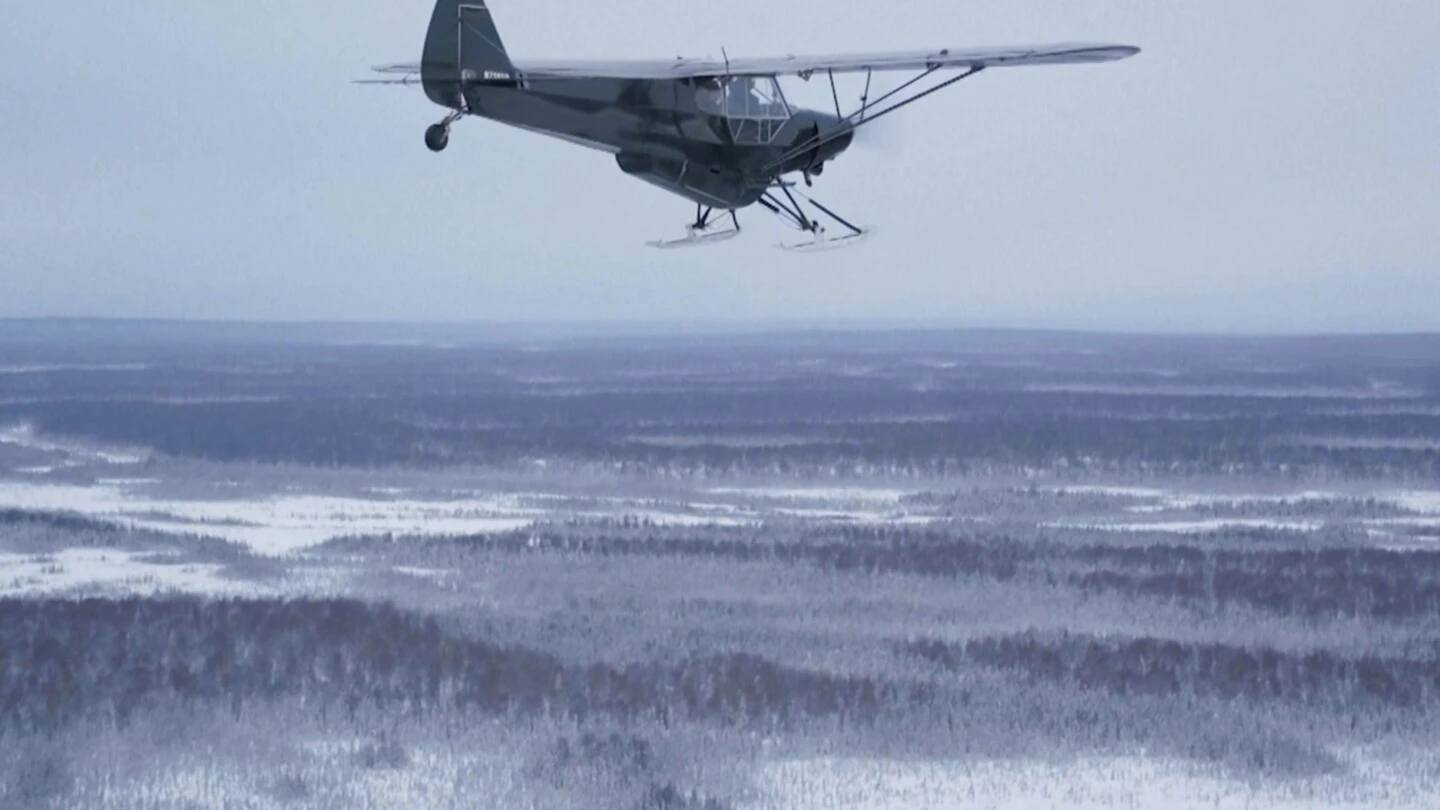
(658,132)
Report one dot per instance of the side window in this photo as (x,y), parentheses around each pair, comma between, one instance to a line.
(710,98)
(737,99)
(753,106)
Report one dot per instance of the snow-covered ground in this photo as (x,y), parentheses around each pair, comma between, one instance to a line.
(1110,491)
(1192,526)
(1411,783)
(1171,499)
(446,779)
(440,779)
(1426,502)
(827,494)
(93,572)
(1423,504)
(284,522)
(275,525)
(72,453)
(131,487)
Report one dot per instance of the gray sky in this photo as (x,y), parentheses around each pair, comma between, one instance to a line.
(1262,166)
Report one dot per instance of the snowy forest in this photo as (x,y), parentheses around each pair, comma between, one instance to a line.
(325,567)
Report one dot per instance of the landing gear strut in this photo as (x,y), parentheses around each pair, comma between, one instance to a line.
(792,213)
(437,136)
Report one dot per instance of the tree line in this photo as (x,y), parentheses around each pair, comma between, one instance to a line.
(63,660)
(1160,667)
(793,430)
(1320,582)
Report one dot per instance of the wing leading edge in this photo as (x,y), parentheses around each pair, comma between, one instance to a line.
(948,58)
(1066,54)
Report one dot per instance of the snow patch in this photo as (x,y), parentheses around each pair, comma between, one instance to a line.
(1083,784)
(1193,500)
(423,573)
(1193,526)
(824,494)
(1110,491)
(1190,500)
(386,491)
(1426,502)
(75,452)
(861,517)
(107,571)
(277,525)
(679,519)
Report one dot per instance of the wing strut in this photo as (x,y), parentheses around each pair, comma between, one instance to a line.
(861,117)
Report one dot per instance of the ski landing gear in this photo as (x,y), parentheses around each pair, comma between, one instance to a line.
(437,136)
(792,213)
(702,231)
(710,228)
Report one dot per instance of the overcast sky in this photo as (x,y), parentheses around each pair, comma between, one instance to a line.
(1262,166)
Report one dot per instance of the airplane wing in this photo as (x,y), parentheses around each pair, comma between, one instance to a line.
(1064,54)
(945,58)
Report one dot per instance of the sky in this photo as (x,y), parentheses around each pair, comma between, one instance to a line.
(1260,167)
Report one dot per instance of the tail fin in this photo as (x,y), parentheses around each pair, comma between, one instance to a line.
(463,47)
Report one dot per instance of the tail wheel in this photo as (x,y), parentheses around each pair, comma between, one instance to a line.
(437,137)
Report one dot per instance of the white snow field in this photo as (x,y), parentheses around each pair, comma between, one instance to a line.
(286,522)
(276,525)
(108,572)
(1160,503)
(1193,526)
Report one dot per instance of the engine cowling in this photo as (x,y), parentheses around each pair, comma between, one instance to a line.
(827,146)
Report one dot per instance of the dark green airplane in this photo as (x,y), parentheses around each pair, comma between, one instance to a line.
(718,133)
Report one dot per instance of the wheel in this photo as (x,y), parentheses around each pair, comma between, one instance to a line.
(437,137)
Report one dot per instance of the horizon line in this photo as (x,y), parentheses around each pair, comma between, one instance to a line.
(714,325)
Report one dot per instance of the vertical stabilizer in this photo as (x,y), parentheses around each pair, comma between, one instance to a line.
(463,47)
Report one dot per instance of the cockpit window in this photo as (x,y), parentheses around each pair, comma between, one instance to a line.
(754,106)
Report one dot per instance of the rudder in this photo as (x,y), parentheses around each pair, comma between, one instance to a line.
(463,47)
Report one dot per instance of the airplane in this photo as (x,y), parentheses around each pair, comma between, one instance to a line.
(719,133)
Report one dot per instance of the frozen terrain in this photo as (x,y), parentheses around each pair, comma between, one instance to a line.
(90,572)
(1088,784)
(320,568)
